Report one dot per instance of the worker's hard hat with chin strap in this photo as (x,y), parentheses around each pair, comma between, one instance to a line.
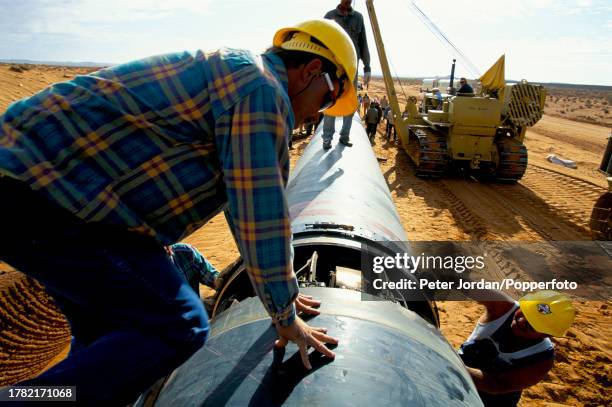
(548,312)
(337,48)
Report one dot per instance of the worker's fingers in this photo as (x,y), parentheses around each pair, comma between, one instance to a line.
(324,330)
(304,355)
(305,296)
(281,342)
(304,304)
(324,338)
(309,301)
(312,341)
(306,310)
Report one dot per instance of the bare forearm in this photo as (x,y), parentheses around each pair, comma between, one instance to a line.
(509,381)
(484,382)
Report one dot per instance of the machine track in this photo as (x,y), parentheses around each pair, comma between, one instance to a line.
(512,159)
(429,151)
(601,218)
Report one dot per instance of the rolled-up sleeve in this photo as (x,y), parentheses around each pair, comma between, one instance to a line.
(255,163)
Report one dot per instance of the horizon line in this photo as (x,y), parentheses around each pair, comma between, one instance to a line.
(91,64)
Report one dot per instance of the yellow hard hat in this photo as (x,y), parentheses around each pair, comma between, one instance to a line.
(548,312)
(338,49)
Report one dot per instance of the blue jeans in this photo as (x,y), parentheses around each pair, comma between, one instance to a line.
(133,316)
(329,125)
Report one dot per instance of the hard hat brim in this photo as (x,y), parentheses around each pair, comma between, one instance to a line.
(345,105)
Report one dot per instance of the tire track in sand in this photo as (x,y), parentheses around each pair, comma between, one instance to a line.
(565,199)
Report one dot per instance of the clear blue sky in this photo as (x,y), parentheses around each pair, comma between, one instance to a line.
(544,40)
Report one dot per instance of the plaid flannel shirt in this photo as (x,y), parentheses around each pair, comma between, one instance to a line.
(161,145)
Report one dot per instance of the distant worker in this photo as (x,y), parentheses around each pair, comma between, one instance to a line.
(438,97)
(352,22)
(390,126)
(105,170)
(384,104)
(380,111)
(510,348)
(372,118)
(366,104)
(465,87)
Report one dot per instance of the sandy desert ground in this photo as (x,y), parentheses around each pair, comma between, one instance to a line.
(549,203)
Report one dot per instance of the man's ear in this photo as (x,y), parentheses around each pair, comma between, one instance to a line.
(311,69)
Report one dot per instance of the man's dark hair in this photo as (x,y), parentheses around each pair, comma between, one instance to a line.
(295,59)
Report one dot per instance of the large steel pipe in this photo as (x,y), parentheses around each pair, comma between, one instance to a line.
(387,356)
(341,207)
(341,192)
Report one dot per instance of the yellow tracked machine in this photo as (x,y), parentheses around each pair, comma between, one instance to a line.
(483,133)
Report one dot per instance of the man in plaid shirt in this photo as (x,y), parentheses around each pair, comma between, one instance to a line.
(99,173)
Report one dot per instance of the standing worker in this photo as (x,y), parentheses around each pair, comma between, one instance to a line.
(510,348)
(366,104)
(390,126)
(352,22)
(372,118)
(105,170)
(380,110)
(384,105)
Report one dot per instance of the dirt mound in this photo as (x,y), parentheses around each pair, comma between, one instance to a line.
(33,332)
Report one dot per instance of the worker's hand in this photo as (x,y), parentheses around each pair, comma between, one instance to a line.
(304,336)
(366,78)
(304,303)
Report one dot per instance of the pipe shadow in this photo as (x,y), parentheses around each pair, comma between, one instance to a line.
(281,378)
(243,368)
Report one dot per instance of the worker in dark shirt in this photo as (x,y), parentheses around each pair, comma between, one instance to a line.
(352,22)
(372,119)
(464,87)
(510,348)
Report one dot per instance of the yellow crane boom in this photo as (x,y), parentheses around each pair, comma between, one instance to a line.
(400,124)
